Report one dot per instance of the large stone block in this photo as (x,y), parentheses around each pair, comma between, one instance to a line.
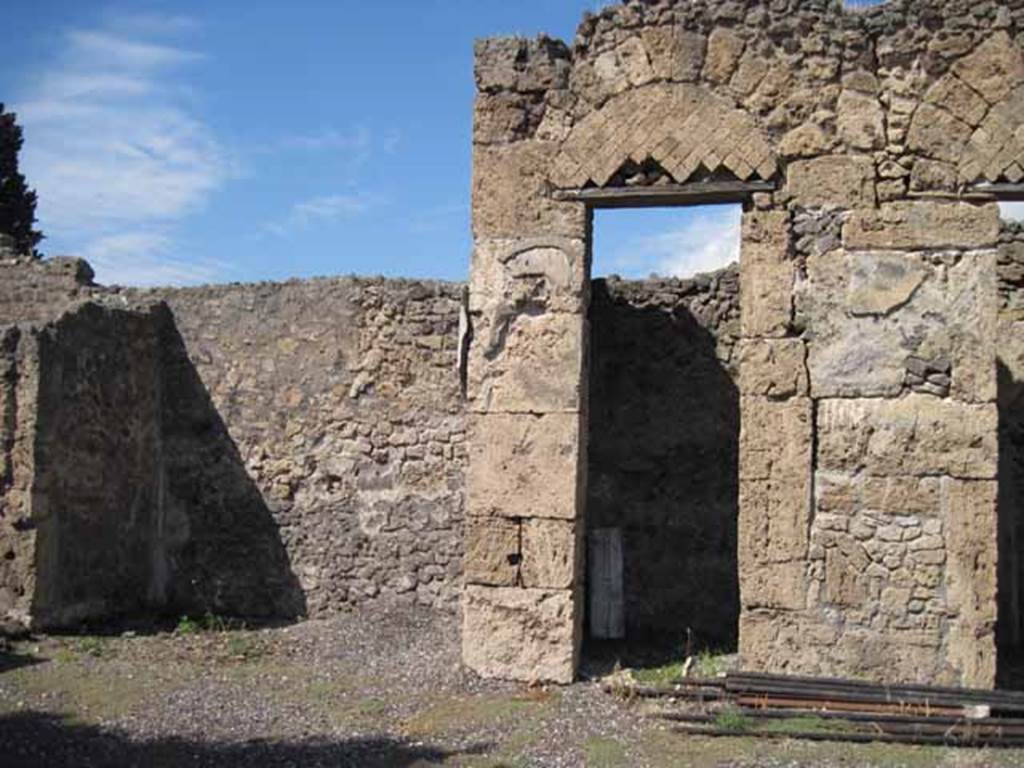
(725,48)
(937,134)
(994,68)
(781,586)
(773,368)
(539,273)
(915,435)
(531,635)
(492,551)
(775,438)
(511,195)
(971,543)
(860,120)
(674,53)
(774,517)
(923,224)
(552,553)
(524,362)
(836,180)
(951,93)
(525,466)
(767,274)
(856,309)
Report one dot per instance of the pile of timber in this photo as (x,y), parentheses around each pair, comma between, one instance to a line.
(776,706)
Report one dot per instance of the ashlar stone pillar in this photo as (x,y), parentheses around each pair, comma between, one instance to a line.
(522,603)
(868,452)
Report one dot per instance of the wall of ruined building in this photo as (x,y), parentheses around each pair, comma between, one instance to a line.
(36,291)
(18,392)
(663,437)
(328,412)
(95,496)
(257,450)
(868,452)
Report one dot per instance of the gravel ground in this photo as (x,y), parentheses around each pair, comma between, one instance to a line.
(374,688)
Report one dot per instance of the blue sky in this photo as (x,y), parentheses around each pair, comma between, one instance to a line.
(188,142)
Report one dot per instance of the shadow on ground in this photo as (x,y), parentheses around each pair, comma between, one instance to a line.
(10,660)
(38,739)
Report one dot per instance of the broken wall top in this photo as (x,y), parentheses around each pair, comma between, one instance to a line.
(929,96)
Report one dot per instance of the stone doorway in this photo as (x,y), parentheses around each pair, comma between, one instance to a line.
(663,433)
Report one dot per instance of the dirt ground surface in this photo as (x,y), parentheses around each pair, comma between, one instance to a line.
(374,688)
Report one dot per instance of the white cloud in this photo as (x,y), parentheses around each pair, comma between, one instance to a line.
(146,258)
(1013,211)
(708,240)
(117,156)
(323,209)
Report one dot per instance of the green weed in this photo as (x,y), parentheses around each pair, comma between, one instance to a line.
(733,720)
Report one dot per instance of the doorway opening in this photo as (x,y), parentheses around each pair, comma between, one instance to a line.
(1010,400)
(663,435)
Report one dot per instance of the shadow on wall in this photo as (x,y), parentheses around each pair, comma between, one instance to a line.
(662,467)
(142,501)
(1009,626)
(34,739)
(228,556)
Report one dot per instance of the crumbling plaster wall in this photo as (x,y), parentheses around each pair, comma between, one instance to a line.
(868,451)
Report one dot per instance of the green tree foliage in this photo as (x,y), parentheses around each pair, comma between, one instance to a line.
(17,201)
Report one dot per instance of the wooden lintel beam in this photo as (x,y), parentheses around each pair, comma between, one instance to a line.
(697,193)
(1008,192)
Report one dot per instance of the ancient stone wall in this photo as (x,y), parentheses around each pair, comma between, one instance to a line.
(18,393)
(663,444)
(34,291)
(96,489)
(328,412)
(258,450)
(868,452)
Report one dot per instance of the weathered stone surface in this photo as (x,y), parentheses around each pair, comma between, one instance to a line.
(994,68)
(853,305)
(522,362)
(773,523)
(552,553)
(915,435)
(961,100)
(492,551)
(525,466)
(773,368)
(766,275)
(724,50)
(775,439)
(971,579)
(807,140)
(505,117)
(675,54)
(781,586)
(521,634)
(922,224)
(932,176)
(680,126)
(860,120)
(839,180)
(511,194)
(518,64)
(937,134)
(538,273)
